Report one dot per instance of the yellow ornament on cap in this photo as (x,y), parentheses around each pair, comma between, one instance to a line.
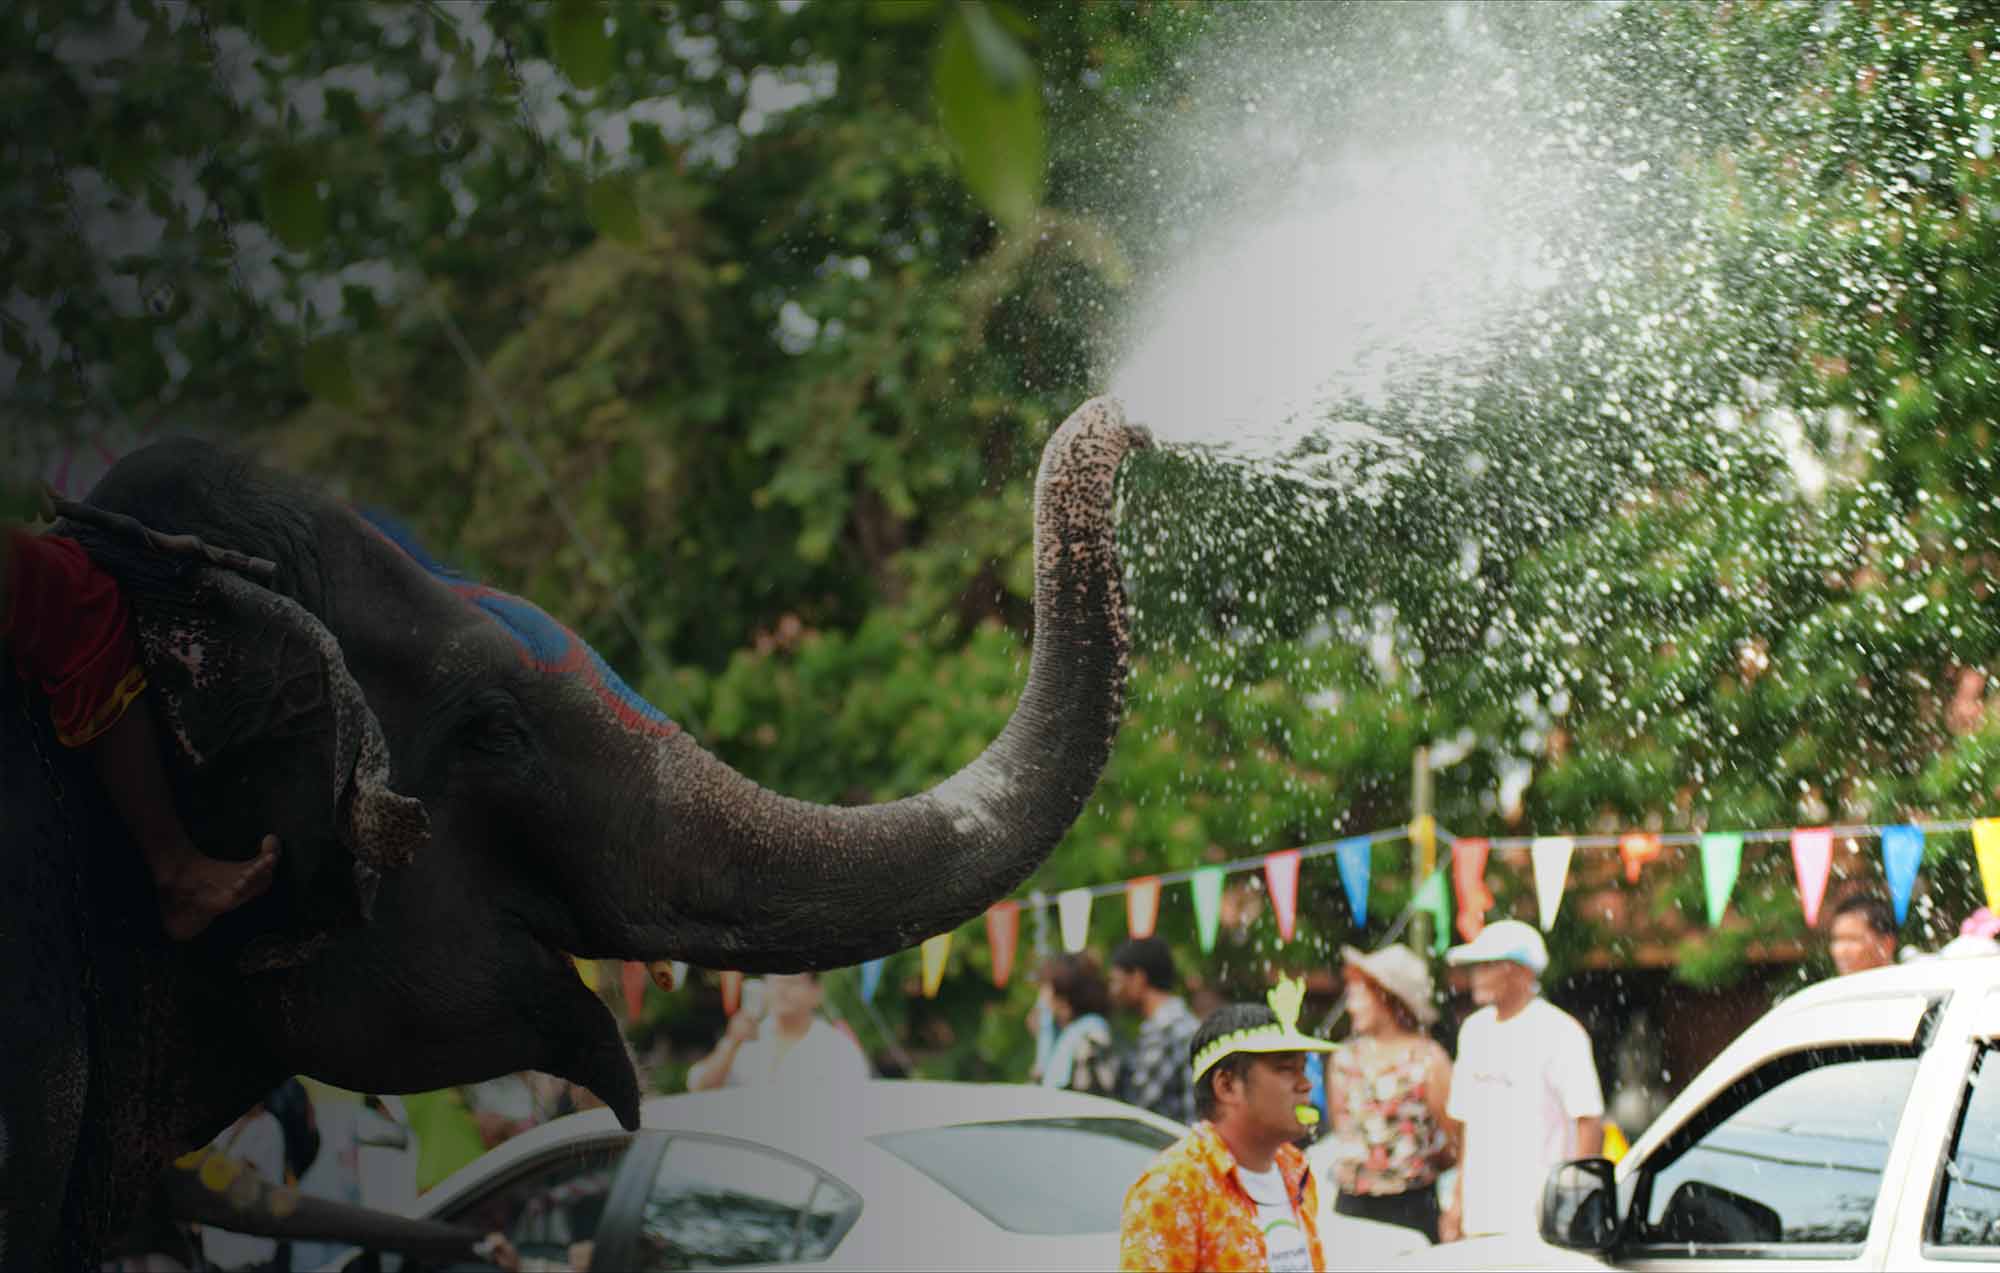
(217,1171)
(1282,1035)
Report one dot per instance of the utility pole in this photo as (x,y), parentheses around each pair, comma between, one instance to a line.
(1423,845)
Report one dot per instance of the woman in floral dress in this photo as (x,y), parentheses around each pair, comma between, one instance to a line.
(1386,1090)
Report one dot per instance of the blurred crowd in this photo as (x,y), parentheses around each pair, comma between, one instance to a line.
(1406,1120)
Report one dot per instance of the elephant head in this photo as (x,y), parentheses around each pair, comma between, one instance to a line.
(567,817)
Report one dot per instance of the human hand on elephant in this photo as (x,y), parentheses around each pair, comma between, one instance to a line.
(193,888)
(742,1028)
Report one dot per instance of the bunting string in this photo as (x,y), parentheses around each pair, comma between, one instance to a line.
(1037,901)
(1859,831)
(1719,855)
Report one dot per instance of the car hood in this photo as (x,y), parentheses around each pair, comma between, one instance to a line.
(1494,1251)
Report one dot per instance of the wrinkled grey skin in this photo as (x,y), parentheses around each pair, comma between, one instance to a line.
(522,819)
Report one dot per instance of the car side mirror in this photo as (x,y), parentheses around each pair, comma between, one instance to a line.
(1702,1213)
(1580,1206)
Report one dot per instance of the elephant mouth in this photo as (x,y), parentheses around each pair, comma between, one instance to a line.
(581,1039)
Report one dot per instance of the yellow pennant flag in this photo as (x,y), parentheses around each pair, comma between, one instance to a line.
(1986,843)
(586,969)
(935,950)
(1424,839)
(1615,1143)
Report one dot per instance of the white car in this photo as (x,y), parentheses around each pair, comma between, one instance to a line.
(887,1174)
(1856,1126)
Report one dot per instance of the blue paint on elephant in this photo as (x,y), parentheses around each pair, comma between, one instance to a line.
(545,644)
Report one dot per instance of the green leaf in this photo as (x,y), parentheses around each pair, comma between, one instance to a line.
(359,304)
(282,26)
(613,204)
(1011,18)
(327,372)
(650,144)
(1001,57)
(897,11)
(996,131)
(15,342)
(578,39)
(343,110)
(290,195)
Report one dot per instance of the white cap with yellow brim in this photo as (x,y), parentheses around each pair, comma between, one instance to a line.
(1281,1035)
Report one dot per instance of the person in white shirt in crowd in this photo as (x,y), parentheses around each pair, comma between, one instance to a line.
(795,1046)
(1524,1086)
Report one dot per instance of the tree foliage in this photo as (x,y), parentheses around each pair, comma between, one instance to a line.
(731,335)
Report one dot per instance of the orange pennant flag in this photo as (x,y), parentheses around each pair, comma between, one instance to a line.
(1003,928)
(634,977)
(1637,848)
(1468,880)
(1142,905)
(732,992)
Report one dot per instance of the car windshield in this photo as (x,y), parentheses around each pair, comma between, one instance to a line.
(1043,1175)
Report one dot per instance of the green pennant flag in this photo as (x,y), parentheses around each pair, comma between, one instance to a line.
(1721,856)
(1207,885)
(1432,897)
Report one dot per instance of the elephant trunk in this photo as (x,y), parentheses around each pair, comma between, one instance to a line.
(762,883)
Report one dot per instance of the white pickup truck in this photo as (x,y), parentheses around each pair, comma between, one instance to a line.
(1856,1126)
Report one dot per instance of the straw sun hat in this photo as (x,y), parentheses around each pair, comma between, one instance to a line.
(1400,971)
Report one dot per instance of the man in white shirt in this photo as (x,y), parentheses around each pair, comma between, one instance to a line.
(798,1047)
(1524,1085)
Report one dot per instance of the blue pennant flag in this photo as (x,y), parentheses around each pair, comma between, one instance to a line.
(1902,853)
(1355,857)
(871,977)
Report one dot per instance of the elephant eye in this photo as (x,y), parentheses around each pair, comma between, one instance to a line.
(494,726)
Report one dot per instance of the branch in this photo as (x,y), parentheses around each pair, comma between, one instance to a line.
(54,505)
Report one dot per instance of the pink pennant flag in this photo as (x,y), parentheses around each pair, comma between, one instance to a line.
(1468,880)
(1003,927)
(634,977)
(1142,905)
(1812,859)
(1281,876)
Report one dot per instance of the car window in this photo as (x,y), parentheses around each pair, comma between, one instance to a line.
(1043,1175)
(1968,1210)
(550,1204)
(719,1203)
(1792,1154)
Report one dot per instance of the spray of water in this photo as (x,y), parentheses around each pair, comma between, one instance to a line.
(1373,198)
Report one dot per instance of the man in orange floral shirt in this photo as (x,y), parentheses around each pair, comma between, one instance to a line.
(1235,1192)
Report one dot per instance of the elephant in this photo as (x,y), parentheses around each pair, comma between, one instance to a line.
(468,797)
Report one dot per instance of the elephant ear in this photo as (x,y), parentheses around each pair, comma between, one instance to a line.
(267,731)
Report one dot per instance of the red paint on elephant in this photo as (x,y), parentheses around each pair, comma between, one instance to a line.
(545,645)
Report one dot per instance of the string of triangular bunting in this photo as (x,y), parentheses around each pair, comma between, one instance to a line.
(1550,856)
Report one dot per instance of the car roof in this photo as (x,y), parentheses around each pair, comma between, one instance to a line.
(1881,1005)
(826,1124)
(1924,974)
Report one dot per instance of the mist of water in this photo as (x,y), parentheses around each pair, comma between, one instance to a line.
(1372,198)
